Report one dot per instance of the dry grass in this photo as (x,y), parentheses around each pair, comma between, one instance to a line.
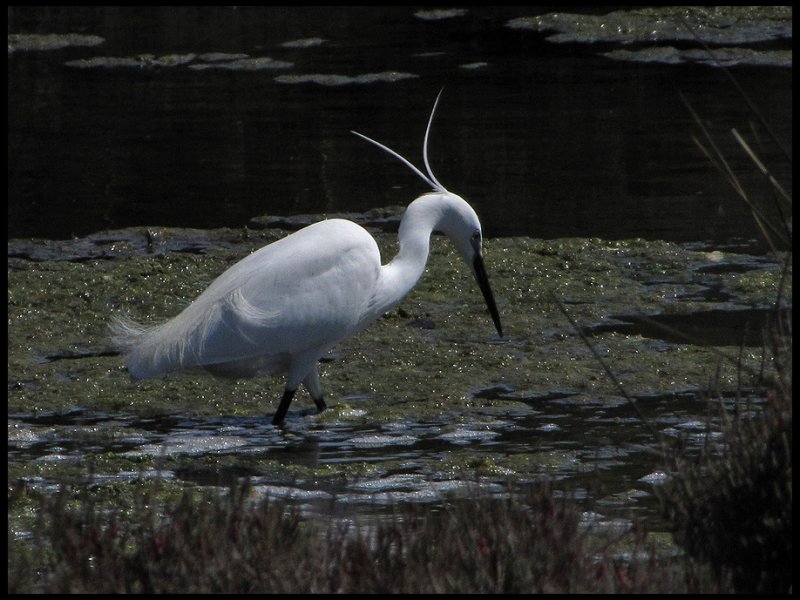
(731,507)
(226,544)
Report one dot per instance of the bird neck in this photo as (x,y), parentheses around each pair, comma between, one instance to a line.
(402,273)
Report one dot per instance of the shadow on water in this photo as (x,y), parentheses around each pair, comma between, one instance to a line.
(744,327)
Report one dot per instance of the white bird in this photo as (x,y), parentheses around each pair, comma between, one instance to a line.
(280,309)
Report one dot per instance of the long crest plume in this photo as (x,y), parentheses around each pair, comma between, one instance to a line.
(430,178)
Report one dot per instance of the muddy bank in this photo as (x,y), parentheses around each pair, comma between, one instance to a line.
(435,353)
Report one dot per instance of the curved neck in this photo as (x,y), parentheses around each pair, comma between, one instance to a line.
(399,276)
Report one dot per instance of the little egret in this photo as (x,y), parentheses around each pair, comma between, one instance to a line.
(280,309)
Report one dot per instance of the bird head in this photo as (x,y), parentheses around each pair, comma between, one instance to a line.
(459,222)
(455,218)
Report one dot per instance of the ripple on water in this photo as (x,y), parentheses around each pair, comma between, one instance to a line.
(50,41)
(408,487)
(192,444)
(304,43)
(400,461)
(289,492)
(465,436)
(333,80)
(380,440)
(195,62)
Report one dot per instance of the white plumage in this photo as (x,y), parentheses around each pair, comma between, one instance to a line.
(283,307)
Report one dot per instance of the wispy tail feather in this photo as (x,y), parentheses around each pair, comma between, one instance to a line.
(146,354)
(211,336)
(125,333)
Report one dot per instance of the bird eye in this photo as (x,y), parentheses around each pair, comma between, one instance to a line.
(476,235)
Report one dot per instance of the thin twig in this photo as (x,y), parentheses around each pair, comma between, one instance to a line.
(761,167)
(606,368)
(722,165)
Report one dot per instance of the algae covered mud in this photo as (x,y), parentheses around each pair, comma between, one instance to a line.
(425,403)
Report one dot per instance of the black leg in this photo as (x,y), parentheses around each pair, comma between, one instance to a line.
(320,402)
(283,407)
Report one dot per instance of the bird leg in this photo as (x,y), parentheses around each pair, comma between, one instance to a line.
(283,407)
(311,381)
(314,388)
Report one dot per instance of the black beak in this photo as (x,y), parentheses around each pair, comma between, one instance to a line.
(483,282)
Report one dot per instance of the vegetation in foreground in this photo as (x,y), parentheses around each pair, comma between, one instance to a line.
(731,507)
(226,544)
(731,510)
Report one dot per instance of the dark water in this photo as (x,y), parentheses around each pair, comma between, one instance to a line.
(545,139)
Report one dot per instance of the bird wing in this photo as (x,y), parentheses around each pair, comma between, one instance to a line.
(300,293)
